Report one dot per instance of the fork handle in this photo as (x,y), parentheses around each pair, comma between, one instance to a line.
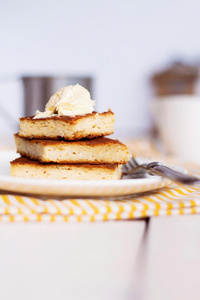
(174,175)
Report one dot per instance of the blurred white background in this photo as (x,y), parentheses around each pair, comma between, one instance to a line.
(120,43)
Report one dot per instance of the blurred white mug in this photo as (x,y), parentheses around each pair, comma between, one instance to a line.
(177,119)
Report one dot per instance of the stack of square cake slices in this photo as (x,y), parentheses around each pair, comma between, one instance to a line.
(62,147)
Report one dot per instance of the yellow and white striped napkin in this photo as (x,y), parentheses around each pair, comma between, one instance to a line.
(172,200)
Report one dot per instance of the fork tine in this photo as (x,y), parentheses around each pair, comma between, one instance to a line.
(125,167)
(131,166)
(135,161)
(132,163)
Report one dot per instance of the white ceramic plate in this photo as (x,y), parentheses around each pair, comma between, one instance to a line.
(68,188)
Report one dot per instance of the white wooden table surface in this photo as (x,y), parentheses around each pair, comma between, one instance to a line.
(173,258)
(70,261)
(100,261)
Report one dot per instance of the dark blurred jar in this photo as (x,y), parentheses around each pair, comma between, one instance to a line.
(39,89)
(178,79)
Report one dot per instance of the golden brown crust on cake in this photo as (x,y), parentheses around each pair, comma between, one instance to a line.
(27,161)
(96,151)
(67,119)
(68,128)
(85,142)
(76,137)
(24,167)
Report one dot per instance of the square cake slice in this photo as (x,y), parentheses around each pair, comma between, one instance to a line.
(24,167)
(95,151)
(68,128)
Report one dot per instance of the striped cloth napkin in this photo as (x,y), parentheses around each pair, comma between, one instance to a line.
(172,200)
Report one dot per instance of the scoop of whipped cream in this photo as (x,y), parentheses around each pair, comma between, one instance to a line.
(69,101)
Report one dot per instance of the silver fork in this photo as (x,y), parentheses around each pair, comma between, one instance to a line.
(135,170)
